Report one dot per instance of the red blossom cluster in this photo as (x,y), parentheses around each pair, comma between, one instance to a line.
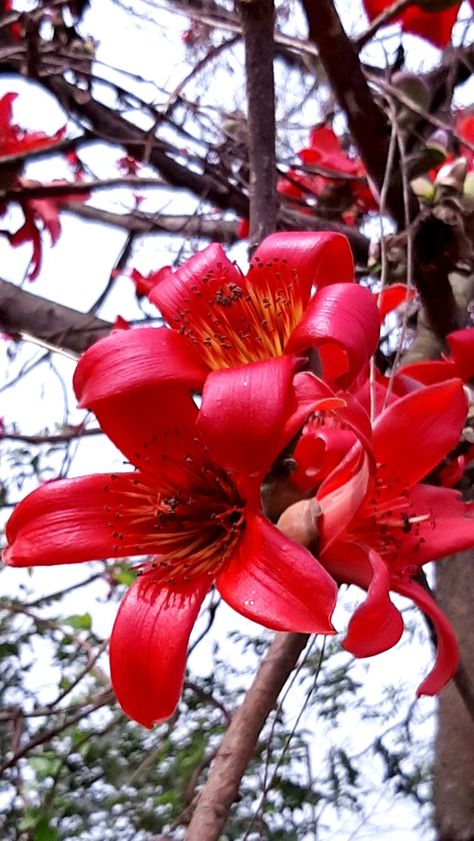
(278,356)
(40,214)
(335,179)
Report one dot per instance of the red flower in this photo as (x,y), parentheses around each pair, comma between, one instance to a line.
(194,504)
(15,140)
(39,213)
(377,529)
(221,319)
(436,27)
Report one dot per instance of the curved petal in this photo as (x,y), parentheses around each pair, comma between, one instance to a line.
(461,344)
(316,258)
(341,495)
(149,644)
(243,413)
(376,625)
(184,296)
(429,372)
(125,362)
(447,655)
(85,519)
(310,394)
(278,583)
(438,523)
(318,452)
(343,323)
(415,433)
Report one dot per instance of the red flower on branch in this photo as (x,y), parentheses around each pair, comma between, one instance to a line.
(377,528)
(40,214)
(222,319)
(339,177)
(193,503)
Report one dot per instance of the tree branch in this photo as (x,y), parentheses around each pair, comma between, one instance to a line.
(367,123)
(22,312)
(257,19)
(238,744)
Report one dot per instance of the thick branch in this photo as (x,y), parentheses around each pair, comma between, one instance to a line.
(142,145)
(257,19)
(21,312)
(367,123)
(238,744)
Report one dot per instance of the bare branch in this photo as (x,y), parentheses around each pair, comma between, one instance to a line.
(257,19)
(238,744)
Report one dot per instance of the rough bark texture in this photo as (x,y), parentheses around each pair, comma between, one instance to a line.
(454,766)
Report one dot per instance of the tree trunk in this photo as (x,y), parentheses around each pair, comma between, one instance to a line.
(454,760)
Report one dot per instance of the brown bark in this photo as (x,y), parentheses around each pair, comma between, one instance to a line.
(238,744)
(454,765)
(257,19)
(23,313)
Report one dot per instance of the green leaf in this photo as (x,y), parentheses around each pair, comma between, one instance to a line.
(80,622)
(45,765)
(45,832)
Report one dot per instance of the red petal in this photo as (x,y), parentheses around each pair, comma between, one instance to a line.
(153,428)
(243,414)
(342,321)
(412,436)
(436,27)
(447,656)
(126,362)
(392,297)
(310,394)
(276,582)
(325,141)
(341,495)
(149,644)
(376,625)
(428,373)
(448,526)
(318,258)
(461,343)
(75,520)
(193,285)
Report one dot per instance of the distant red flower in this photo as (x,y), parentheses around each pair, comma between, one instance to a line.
(128,165)
(15,140)
(193,503)
(337,171)
(221,318)
(145,283)
(378,528)
(40,214)
(436,27)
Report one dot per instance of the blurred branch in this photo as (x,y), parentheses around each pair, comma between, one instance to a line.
(218,230)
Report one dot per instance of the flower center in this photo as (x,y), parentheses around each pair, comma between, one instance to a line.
(235,325)
(191,532)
